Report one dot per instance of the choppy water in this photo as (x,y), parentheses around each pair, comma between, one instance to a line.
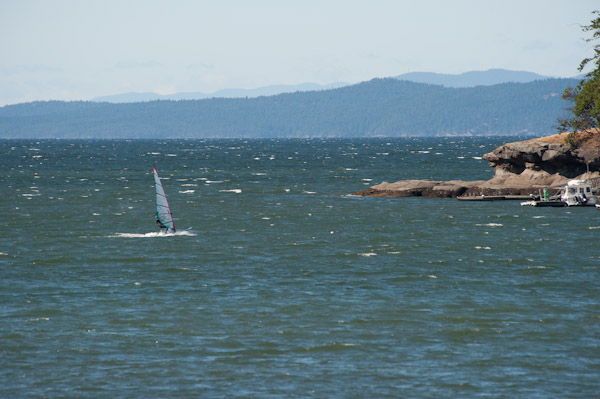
(284,286)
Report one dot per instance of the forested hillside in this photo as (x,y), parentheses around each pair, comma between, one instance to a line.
(380,107)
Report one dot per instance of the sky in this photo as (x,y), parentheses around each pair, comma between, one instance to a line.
(82,49)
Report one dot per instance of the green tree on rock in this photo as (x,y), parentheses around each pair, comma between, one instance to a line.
(586,96)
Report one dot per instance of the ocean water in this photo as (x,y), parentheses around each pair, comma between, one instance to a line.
(278,283)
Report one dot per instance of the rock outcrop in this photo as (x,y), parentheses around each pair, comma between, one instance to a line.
(546,161)
(521,168)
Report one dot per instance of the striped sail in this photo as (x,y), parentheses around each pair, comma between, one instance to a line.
(163,212)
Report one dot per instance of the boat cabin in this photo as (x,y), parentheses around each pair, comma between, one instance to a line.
(578,193)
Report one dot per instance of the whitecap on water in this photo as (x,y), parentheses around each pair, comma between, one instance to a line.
(235,190)
(154,234)
(39,319)
(187,191)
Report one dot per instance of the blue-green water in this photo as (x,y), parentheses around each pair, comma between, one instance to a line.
(284,286)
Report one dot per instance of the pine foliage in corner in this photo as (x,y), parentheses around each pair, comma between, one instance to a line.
(585,98)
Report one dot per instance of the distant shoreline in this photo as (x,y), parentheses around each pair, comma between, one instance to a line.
(377,108)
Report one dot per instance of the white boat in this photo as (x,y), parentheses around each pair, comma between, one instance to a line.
(578,193)
(164,218)
(574,193)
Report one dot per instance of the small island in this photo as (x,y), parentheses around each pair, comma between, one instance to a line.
(522,168)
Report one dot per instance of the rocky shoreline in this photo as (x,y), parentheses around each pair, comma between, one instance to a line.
(521,168)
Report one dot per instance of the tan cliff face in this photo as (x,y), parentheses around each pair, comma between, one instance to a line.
(546,161)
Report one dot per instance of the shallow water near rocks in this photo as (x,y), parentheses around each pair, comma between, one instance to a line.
(278,284)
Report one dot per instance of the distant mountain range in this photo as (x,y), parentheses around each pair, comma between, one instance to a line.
(225,93)
(377,108)
(467,79)
(474,78)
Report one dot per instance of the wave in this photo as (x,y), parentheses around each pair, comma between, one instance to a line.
(368,254)
(235,190)
(154,234)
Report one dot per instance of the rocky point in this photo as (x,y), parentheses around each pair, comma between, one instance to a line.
(521,168)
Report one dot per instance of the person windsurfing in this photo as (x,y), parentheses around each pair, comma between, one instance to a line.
(164,219)
(161,226)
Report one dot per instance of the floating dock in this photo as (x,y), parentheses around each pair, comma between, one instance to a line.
(542,203)
(494,198)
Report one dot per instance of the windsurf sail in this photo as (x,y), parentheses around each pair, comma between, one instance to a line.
(163,212)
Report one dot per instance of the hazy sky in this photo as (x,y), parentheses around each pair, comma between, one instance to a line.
(80,49)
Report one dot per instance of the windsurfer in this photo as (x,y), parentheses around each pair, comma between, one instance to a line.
(164,219)
(160,225)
